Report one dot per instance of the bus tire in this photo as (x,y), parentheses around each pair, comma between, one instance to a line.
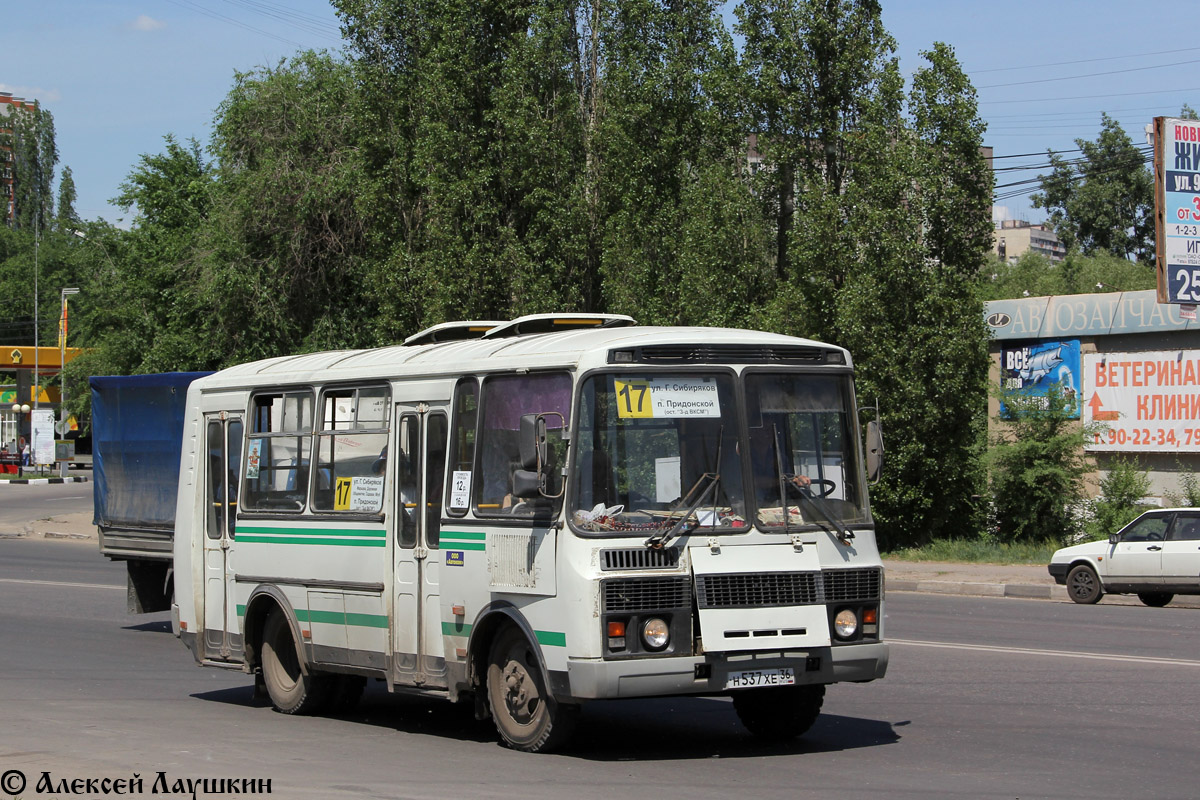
(780,712)
(291,691)
(527,717)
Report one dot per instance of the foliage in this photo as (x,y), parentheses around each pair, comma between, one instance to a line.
(484,160)
(1036,468)
(34,155)
(1122,491)
(1105,199)
(977,550)
(1035,275)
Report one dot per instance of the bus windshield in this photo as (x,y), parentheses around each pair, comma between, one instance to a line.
(802,443)
(655,448)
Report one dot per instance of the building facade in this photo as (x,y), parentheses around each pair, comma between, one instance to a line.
(1131,364)
(1012,238)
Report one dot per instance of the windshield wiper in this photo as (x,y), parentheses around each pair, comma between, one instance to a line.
(708,481)
(789,480)
(818,503)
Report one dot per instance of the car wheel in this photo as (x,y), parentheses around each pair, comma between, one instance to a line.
(1083,585)
(291,691)
(1155,599)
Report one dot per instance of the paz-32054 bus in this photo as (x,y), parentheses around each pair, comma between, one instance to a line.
(528,515)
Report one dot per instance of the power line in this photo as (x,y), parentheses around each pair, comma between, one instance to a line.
(1085,60)
(1090,75)
(1086,96)
(199,9)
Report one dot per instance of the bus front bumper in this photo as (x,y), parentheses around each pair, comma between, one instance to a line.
(590,679)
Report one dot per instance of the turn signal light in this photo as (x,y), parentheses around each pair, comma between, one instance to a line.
(870,615)
(616,629)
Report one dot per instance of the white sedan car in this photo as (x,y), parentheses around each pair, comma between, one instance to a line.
(1156,557)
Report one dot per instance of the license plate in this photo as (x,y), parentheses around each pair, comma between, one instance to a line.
(746,678)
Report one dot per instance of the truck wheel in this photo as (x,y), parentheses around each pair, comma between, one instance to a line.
(781,712)
(526,715)
(291,691)
(1083,585)
(1156,599)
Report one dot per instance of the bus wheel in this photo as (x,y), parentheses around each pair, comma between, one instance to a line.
(291,691)
(782,712)
(526,716)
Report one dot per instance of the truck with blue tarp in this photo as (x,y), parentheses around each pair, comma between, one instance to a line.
(137,432)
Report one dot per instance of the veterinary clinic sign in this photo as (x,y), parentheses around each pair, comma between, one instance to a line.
(1143,402)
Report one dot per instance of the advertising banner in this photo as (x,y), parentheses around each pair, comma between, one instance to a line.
(1177,209)
(1033,367)
(41,450)
(1143,402)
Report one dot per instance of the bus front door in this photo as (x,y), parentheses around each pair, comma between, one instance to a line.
(223,448)
(421,436)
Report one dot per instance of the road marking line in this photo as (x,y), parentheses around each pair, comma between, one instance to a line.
(64,583)
(1175,662)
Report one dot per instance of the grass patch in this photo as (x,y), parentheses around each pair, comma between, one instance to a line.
(977,551)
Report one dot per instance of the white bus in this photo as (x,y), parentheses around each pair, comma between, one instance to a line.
(528,515)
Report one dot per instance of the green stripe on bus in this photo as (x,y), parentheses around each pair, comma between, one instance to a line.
(377,532)
(548,638)
(445,545)
(551,639)
(314,540)
(464,535)
(339,618)
(456,629)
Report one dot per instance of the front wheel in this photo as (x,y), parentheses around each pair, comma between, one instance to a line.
(291,691)
(1083,585)
(779,712)
(1155,599)
(526,715)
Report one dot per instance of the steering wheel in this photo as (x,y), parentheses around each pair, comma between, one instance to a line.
(821,487)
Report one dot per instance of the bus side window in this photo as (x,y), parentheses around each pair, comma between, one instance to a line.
(462,444)
(505,399)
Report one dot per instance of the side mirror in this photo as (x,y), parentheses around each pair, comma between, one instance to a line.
(533,441)
(874,451)
(1113,538)
(530,481)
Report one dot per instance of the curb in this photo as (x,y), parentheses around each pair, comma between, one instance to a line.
(44,481)
(1028,591)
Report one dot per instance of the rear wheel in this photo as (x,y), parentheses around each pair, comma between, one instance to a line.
(526,715)
(1155,599)
(291,691)
(781,712)
(1083,585)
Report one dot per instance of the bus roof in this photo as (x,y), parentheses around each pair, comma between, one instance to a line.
(568,347)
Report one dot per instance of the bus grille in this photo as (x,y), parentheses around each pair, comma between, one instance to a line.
(647,594)
(640,558)
(758,589)
(844,585)
(788,588)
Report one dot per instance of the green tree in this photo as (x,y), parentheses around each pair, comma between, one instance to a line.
(1104,200)
(1035,275)
(1036,468)
(67,219)
(280,257)
(1123,491)
(34,156)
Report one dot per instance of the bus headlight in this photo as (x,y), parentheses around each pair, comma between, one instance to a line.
(845,624)
(656,633)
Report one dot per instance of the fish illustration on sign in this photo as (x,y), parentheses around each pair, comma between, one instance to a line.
(1041,365)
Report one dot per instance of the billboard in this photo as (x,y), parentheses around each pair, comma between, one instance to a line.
(1143,402)
(1031,368)
(1177,209)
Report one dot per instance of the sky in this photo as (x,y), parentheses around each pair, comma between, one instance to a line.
(119,75)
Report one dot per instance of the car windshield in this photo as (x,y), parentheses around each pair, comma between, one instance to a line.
(804,455)
(655,449)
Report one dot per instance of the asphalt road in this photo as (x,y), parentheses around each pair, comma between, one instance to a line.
(985,698)
(21,503)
